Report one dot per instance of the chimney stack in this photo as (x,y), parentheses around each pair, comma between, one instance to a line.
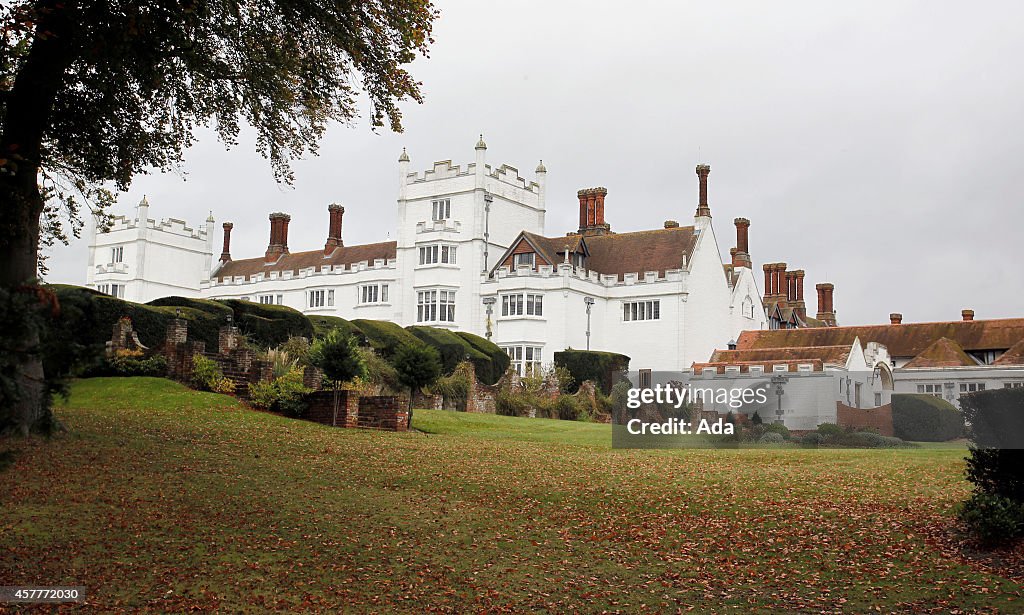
(895,318)
(278,237)
(592,211)
(225,254)
(334,230)
(826,311)
(798,294)
(967,315)
(742,256)
(703,209)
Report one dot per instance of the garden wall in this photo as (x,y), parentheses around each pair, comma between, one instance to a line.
(878,419)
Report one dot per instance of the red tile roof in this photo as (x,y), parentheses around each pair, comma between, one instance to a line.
(905,340)
(346,255)
(769,366)
(832,355)
(943,353)
(1013,356)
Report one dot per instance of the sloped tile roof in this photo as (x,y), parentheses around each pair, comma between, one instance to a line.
(1013,356)
(294,261)
(832,355)
(943,353)
(904,340)
(658,250)
(769,366)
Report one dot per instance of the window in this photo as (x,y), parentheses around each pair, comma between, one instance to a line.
(114,290)
(935,390)
(517,305)
(317,298)
(748,308)
(1013,385)
(524,260)
(971,387)
(267,299)
(442,209)
(525,359)
(645,379)
(373,293)
(117,254)
(641,310)
(878,399)
(280,299)
(433,254)
(435,305)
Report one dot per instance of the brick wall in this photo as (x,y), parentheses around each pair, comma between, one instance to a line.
(878,419)
(320,408)
(383,412)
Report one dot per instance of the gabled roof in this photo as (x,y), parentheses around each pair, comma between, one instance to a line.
(943,353)
(904,340)
(830,355)
(294,261)
(1013,356)
(618,253)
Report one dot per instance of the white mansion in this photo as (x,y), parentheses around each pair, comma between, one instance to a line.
(471,254)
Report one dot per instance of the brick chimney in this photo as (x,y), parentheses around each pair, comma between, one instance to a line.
(895,318)
(592,211)
(742,256)
(225,254)
(826,311)
(797,302)
(967,315)
(703,171)
(278,237)
(334,230)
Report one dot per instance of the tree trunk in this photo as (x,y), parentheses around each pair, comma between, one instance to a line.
(27,116)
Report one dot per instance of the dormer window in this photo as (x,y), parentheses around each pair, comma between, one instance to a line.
(442,209)
(526,260)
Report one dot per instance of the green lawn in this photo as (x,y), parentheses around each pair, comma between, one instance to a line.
(165,499)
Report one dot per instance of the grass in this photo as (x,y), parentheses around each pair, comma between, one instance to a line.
(165,499)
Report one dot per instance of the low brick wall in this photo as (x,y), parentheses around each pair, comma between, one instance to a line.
(320,408)
(878,419)
(375,412)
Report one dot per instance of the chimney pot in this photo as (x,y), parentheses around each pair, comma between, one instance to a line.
(225,254)
(703,209)
(895,318)
(967,315)
(592,211)
(334,240)
(671,224)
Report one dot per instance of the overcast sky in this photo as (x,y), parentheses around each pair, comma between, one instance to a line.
(877,145)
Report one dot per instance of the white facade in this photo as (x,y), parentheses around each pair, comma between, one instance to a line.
(142,259)
(454,223)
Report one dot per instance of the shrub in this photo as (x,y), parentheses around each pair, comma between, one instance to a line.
(384,337)
(870,439)
(925,418)
(996,418)
(778,428)
(812,438)
(296,348)
(380,375)
(337,356)
(771,438)
(456,386)
(511,403)
(568,408)
(599,367)
(994,519)
(418,365)
(997,472)
(756,419)
(136,366)
(455,349)
(207,376)
(831,430)
(283,394)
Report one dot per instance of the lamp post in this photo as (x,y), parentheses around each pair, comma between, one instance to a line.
(489,302)
(589,301)
(779,382)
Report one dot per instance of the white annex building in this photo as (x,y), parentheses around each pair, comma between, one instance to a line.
(471,254)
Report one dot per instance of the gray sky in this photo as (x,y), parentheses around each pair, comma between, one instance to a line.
(877,145)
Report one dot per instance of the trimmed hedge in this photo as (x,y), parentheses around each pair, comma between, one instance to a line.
(268,325)
(455,349)
(385,337)
(925,418)
(593,365)
(203,305)
(323,324)
(499,360)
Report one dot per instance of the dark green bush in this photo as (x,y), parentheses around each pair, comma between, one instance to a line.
(384,337)
(994,519)
(323,324)
(454,349)
(996,418)
(997,472)
(268,325)
(283,394)
(128,366)
(338,356)
(598,367)
(499,360)
(925,418)
(418,365)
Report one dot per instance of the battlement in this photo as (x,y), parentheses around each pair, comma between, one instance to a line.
(171,226)
(379,264)
(592,277)
(444,169)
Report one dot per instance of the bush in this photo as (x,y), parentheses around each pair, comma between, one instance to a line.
(207,376)
(994,519)
(771,438)
(997,472)
(925,418)
(297,349)
(568,408)
(996,418)
(418,365)
(337,355)
(137,366)
(870,439)
(381,376)
(268,325)
(510,403)
(599,367)
(456,386)
(455,349)
(385,337)
(812,438)
(283,394)
(323,324)
(831,430)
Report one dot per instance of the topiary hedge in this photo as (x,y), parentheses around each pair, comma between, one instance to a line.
(323,324)
(385,337)
(455,349)
(925,418)
(268,325)
(593,365)
(499,360)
